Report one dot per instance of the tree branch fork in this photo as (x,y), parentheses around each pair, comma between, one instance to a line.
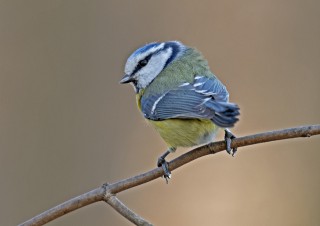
(107,192)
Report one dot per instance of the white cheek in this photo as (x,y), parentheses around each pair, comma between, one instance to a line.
(133,60)
(154,67)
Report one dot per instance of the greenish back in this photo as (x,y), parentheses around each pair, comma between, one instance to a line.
(181,70)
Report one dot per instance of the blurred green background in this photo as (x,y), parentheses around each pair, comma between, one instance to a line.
(67,126)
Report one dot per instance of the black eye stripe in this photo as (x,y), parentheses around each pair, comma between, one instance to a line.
(139,66)
(143,63)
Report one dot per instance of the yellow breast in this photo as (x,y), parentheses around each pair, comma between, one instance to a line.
(185,132)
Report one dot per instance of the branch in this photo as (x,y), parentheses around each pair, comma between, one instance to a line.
(113,201)
(107,192)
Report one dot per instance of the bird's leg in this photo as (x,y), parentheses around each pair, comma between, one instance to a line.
(164,164)
(228,137)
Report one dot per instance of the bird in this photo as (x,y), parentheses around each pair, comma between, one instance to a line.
(179,96)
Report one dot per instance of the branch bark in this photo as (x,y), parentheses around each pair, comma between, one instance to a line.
(107,192)
(113,201)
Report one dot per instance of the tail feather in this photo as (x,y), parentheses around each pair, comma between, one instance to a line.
(225,113)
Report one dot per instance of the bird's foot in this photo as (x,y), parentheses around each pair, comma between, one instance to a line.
(164,164)
(228,137)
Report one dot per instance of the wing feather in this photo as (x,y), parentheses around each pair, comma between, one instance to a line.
(205,98)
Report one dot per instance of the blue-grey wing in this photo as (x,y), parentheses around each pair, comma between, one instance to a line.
(205,98)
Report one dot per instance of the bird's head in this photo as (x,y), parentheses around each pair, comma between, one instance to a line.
(146,63)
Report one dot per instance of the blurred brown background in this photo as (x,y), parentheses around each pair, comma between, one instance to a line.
(67,126)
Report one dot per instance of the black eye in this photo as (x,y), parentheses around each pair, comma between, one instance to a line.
(143,63)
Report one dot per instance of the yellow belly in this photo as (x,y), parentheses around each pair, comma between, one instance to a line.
(185,132)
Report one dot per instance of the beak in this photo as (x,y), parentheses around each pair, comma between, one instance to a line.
(126,79)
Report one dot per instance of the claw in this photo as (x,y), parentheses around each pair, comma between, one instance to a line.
(167,173)
(164,164)
(228,137)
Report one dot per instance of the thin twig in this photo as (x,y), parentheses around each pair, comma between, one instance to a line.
(107,192)
(113,201)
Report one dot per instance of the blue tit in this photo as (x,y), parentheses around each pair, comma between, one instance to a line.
(179,95)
